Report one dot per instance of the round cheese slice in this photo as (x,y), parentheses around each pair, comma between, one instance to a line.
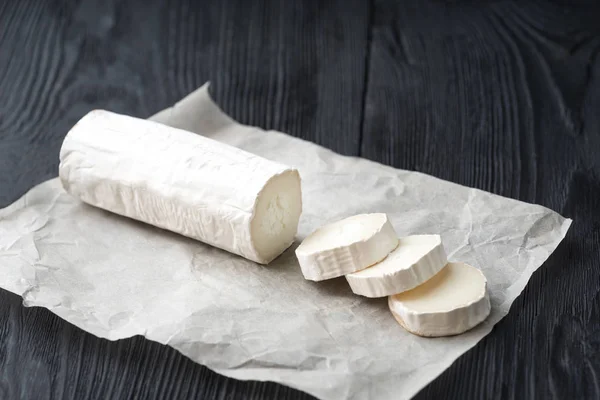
(416,259)
(452,302)
(346,246)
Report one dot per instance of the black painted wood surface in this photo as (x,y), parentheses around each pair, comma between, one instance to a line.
(502,96)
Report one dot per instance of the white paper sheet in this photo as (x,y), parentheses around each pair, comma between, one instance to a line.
(115,277)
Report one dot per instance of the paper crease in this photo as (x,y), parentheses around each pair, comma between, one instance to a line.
(116,278)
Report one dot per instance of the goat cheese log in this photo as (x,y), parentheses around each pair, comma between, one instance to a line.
(183,182)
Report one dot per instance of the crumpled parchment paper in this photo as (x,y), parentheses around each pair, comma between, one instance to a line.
(116,278)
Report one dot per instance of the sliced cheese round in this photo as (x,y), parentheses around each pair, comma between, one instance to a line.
(416,259)
(183,182)
(452,302)
(346,246)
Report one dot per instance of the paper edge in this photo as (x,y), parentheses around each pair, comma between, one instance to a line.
(445,363)
(163,116)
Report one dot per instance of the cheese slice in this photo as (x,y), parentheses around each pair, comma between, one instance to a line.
(416,259)
(452,302)
(183,182)
(346,246)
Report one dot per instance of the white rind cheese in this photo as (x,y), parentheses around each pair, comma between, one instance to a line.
(346,246)
(183,182)
(452,302)
(416,259)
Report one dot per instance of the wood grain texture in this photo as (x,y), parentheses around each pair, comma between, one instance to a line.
(499,96)
(272,64)
(503,96)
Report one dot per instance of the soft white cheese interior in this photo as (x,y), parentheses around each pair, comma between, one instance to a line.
(183,182)
(346,246)
(276,215)
(452,302)
(343,233)
(416,259)
(457,285)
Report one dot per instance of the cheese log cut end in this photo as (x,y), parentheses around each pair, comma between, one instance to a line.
(183,182)
(276,215)
(416,259)
(452,302)
(346,246)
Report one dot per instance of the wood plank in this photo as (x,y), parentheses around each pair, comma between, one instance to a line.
(499,96)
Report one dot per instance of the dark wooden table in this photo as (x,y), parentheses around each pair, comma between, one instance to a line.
(502,96)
